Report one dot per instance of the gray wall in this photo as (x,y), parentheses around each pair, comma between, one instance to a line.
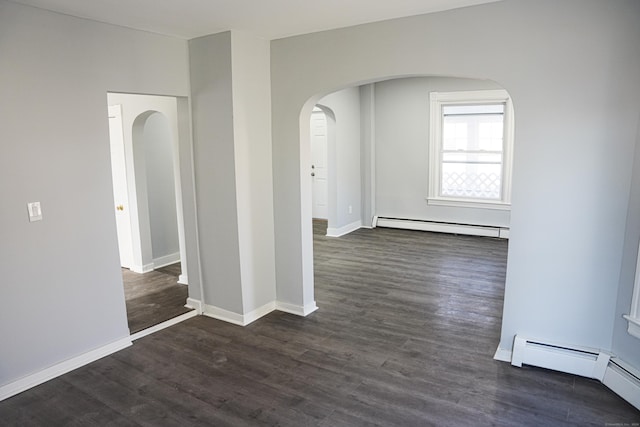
(571,68)
(161,194)
(626,346)
(232,141)
(344,159)
(402,151)
(213,140)
(368,152)
(254,185)
(62,289)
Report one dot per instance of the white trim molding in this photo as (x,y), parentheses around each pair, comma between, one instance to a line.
(141,269)
(183,279)
(502,355)
(298,310)
(338,232)
(163,325)
(61,368)
(238,319)
(194,304)
(634,326)
(245,319)
(165,260)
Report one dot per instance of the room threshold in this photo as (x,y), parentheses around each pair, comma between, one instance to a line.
(160,326)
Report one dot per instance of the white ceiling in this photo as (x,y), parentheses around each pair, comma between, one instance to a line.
(270,19)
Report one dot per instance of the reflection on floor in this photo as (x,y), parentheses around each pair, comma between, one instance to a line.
(153,297)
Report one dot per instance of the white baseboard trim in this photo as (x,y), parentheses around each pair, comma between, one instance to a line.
(61,368)
(163,261)
(298,310)
(194,304)
(338,232)
(502,355)
(141,269)
(235,318)
(244,320)
(615,374)
(183,279)
(443,227)
(163,325)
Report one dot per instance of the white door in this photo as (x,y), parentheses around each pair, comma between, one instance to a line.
(319,163)
(120,193)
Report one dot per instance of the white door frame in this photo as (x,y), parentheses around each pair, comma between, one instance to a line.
(135,107)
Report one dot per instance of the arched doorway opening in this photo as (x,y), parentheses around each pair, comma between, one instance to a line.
(391,166)
(148,207)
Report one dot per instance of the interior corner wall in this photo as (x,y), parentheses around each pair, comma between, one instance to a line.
(625,345)
(402,113)
(344,178)
(250,58)
(571,69)
(214,167)
(55,75)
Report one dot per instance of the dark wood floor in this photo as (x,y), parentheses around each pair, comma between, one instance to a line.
(405,334)
(153,297)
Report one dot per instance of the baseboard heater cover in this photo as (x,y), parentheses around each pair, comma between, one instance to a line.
(579,361)
(586,362)
(442,227)
(624,381)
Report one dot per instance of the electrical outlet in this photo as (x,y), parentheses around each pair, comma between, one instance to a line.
(350,209)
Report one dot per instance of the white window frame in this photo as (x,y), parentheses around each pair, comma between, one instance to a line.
(634,314)
(479,97)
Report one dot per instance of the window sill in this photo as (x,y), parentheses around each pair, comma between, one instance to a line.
(462,203)
(634,326)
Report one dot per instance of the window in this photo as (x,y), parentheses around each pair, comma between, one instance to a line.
(471,144)
(634,315)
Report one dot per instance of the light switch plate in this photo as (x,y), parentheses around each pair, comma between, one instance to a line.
(35,212)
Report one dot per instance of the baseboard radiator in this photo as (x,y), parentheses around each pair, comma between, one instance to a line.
(579,361)
(586,362)
(624,381)
(441,227)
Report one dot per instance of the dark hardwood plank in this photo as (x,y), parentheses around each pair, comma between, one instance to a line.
(405,335)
